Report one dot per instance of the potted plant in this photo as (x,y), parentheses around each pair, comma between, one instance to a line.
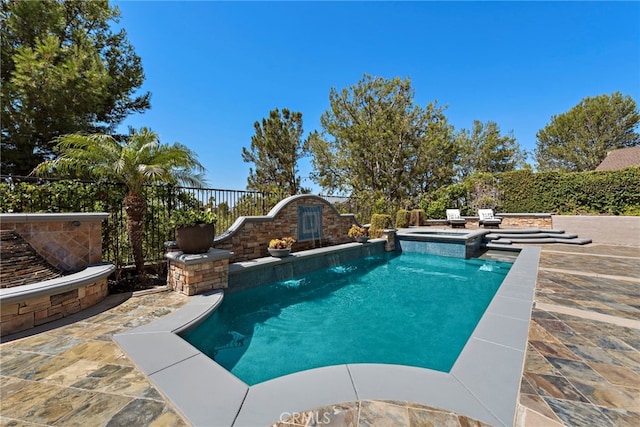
(358,233)
(194,229)
(280,247)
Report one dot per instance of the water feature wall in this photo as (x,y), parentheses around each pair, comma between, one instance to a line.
(311,220)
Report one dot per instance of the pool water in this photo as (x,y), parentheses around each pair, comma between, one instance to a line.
(409,309)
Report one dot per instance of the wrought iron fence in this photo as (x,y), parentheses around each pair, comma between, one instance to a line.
(31,194)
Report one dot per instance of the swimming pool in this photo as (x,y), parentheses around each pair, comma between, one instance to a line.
(411,309)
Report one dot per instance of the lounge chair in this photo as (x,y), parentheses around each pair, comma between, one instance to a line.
(454,219)
(487,219)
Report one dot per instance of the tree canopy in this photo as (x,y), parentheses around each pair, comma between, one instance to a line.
(376,141)
(63,71)
(579,139)
(276,148)
(484,149)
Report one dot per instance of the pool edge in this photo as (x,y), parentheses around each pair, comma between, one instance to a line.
(463,389)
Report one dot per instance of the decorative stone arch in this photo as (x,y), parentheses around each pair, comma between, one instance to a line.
(310,219)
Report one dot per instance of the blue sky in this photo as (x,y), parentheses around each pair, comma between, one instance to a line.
(214,68)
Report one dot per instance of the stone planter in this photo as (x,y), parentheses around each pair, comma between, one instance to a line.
(196,239)
(279,253)
(363,239)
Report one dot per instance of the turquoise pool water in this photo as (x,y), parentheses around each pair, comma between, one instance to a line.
(409,309)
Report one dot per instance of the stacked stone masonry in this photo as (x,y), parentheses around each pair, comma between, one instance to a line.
(251,239)
(193,279)
(69,243)
(27,314)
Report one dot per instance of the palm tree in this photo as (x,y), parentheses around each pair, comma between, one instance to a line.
(136,162)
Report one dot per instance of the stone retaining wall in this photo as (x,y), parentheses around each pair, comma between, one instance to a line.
(23,315)
(68,241)
(248,238)
(526,220)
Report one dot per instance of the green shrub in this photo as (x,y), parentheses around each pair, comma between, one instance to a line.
(379,222)
(403,217)
(596,192)
(188,217)
(437,209)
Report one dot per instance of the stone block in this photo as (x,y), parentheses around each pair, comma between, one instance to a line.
(35,305)
(64,297)
(9,309)
(71,307)
(17,324)
(39,315)
(48,319)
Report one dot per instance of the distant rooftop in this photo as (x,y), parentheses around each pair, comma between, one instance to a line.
(620,159)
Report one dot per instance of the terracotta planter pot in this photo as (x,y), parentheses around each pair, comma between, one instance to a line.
(196,239)
(279,253)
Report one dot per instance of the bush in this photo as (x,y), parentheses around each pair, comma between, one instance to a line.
(189,217)
(596,192)
(403,217)
(379,222)
(437,209)
(356,231)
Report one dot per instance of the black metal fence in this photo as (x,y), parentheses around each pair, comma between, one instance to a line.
(30,194)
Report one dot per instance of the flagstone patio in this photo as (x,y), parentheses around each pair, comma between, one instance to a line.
(582,364)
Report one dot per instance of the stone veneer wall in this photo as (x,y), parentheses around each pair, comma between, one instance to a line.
(68,241)
(248,238)
(23,315)
(526,220)
(193,274)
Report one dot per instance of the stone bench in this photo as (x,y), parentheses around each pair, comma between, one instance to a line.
(26,306)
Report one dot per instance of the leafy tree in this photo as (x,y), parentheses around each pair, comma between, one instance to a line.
(484,149)
(136,162)
(276,148)
(579,139)
(376,142)
(63,71)
(437,156)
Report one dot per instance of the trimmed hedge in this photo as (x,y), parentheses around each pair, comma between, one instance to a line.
(596,192)
(403,217)
(379,222)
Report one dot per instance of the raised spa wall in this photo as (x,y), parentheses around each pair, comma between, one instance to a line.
(70,242)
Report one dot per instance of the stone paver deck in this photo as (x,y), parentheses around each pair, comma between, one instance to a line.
(582,364)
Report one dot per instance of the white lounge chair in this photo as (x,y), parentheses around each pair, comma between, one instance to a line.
(487,219)
(454,219)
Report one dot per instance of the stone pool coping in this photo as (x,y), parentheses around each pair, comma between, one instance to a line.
(483,383)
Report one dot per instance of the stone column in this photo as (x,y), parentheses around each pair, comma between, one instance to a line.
(193,274)
(390,236)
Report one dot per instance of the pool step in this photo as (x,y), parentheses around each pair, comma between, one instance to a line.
(532,235)
(528,231)
(495,236)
